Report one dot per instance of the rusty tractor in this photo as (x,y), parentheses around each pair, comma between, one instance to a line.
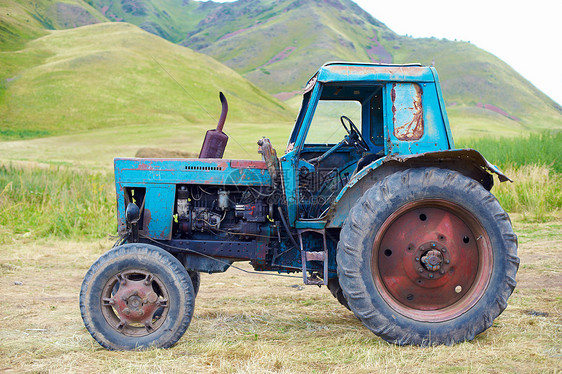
(370,199)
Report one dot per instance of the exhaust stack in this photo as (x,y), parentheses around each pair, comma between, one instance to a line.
(215,140)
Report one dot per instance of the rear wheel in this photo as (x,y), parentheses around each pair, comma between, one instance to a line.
(427,256)
(336,291)
(137,296)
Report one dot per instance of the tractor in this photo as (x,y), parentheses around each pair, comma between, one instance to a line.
(370,199)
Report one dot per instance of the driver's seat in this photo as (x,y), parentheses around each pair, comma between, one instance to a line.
(366,160)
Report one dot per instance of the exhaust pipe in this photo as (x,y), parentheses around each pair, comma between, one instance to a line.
(215,140)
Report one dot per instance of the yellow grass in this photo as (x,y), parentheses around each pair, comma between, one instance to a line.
(258,324)
(536,192)
(97,148)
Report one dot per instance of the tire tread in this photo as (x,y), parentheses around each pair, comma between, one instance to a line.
(352,256)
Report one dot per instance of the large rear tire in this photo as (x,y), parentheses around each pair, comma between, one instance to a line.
(137,296)
(427,256)
(336,291)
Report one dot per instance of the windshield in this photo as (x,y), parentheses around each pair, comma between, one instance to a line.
(326,127)
(302,112)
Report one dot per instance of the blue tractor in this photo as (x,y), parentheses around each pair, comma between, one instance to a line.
(370,199)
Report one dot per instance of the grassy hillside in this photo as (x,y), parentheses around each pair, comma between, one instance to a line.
(112,74)
(21,21)
(17,26)
(284,48)
(165,18)
(104,75)
(278,45)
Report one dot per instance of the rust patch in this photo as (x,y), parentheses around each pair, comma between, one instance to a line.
(248,164)
(393,98)
(416,71)
(465,156)
(407,111)
(146,218)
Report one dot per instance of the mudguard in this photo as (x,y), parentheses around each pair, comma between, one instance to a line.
(466,161)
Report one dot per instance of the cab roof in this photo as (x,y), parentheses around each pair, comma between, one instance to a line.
(371,72)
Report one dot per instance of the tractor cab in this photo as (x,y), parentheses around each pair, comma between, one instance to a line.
(353,115)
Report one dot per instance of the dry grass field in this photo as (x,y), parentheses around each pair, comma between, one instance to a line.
(259,324)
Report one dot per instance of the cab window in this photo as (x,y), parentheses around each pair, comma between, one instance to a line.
(326,127)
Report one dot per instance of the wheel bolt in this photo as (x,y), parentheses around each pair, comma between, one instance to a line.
(420,270)
(447,261)
(151,298)
(148,280)
(442,271)
(109,301)
(431,275)
(417,259)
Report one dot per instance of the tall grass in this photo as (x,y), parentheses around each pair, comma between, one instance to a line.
(533,163)
(536,192)
(67,203)
(542,149)
(56,201)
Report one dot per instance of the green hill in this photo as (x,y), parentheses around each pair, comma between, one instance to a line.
(169,19)
(21,21)
(279,44)
(56,81)
(112,74)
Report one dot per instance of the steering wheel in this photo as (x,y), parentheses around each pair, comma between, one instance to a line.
(354,137)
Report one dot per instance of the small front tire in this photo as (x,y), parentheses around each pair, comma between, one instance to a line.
(195,280)
(137,296)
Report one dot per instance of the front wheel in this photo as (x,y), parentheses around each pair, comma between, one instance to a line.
(427,256)
(137,296)
(195,280)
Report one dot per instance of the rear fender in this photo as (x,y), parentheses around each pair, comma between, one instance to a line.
(468,162)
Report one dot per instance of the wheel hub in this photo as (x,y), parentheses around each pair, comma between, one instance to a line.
(135,303)
(431,260)
(427,259)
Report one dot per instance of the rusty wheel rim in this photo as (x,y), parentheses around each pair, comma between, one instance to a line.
(432,260)
(135,302)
